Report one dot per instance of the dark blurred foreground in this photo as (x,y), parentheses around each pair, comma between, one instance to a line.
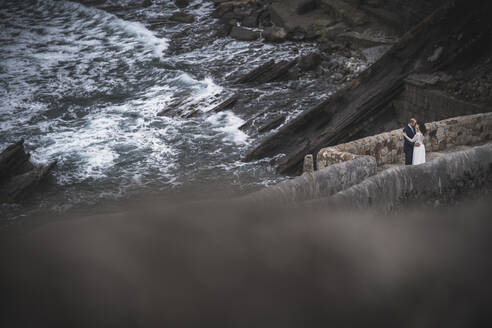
(207,265)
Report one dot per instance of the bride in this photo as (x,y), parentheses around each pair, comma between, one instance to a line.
(419,148)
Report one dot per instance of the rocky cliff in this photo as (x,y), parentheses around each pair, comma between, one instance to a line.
(455,37)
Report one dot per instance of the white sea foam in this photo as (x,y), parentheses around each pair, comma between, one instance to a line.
(107,25)
(228,124)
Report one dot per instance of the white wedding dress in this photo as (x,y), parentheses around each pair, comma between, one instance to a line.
(418,152)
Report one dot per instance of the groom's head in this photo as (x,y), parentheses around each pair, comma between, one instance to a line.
(413,122)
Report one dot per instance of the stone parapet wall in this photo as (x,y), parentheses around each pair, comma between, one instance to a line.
(387,148)
(462,130)
(445,177)
(318,184)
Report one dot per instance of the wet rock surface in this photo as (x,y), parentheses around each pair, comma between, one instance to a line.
(18,176)
(244,34)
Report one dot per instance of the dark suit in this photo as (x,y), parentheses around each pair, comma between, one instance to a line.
(408,146)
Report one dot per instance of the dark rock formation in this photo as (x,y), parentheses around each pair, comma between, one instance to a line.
(256,73)
(250,21)
(14,160)
(272,123)
(243,34)
(147,3)
(274,34)
(18,176)
(181,3)
(310,61)
(336,119)
(306,6)
(268,72)
(182,18)
(226,104)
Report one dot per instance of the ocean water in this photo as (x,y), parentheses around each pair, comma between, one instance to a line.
(83,82)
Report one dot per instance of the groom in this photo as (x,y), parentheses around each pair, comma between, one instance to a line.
(409,130)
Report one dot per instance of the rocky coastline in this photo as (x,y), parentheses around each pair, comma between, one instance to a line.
(363,54)
(423,37)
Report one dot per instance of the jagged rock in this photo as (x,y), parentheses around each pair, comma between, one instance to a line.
(172,107)
(274,34)
(272,124)
(14,160)
(279,70)
(193,113)
(226,104)
(268,72)
(182,18)
(310,61)
(243,34)
(181,3)
(255,73)
(18,176)
(19,186)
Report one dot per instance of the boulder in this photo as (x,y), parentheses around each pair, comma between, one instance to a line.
(243,34)
(250,21)
(182,18)
(310,61)
(274,34)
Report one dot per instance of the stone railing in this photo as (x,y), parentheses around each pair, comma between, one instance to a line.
(387,148)
(442,179)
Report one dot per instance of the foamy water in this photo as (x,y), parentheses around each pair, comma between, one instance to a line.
(83,85)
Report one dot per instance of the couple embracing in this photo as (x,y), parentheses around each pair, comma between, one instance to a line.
(414,144)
